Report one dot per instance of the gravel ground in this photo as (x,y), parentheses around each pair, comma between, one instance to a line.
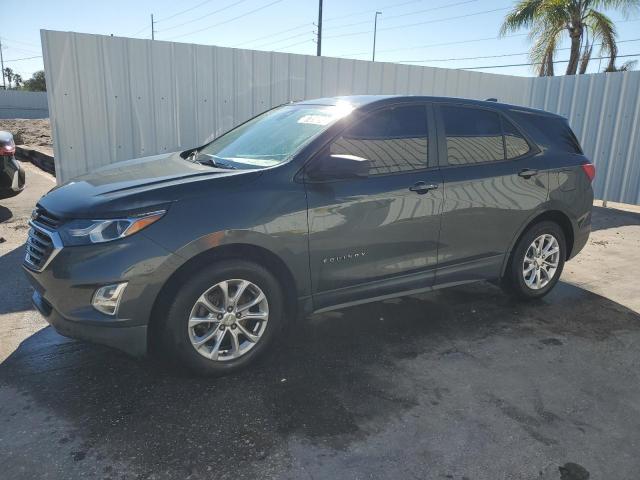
(29,132)
(464,383)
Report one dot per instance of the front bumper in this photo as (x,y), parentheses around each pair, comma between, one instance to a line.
(65,287)
(132,340)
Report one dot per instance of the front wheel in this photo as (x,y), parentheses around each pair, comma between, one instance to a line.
(537,261)
(223,317)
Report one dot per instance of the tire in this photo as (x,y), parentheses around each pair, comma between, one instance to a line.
(526,285)
(189,321)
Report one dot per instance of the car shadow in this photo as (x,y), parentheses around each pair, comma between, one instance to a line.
(603,218)
(329,381)
(5,214)
(15,294)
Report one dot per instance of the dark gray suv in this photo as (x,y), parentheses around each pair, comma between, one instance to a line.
(204,255)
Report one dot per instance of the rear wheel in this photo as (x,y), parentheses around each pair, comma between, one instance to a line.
(223,317)
(537,261)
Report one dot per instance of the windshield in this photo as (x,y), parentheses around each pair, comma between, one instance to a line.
(271,138)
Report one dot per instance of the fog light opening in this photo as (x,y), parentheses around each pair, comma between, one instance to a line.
(107,299)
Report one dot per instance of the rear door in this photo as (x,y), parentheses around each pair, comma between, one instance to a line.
(492,184)
(378,235)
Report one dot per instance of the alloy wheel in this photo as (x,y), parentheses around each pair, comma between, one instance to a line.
(541,261)
(228,319)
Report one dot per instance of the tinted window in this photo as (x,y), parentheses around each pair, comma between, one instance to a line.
(473,135)
(550,133)
(393,139)
(514,142)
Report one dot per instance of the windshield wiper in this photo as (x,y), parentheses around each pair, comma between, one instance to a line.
(213,161)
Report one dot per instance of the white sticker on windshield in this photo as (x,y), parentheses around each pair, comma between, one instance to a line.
(315,119)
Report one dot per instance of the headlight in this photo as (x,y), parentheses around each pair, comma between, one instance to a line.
(84,232)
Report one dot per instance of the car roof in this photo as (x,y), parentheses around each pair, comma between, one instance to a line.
(358,101)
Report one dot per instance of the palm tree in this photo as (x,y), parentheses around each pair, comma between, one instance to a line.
(625,67)
(548,20)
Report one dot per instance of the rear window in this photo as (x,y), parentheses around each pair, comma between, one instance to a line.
(473,135)
(550,133)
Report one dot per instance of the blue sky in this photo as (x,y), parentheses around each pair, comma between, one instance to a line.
(417,31)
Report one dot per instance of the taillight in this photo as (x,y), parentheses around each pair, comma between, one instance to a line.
(590,170)
(7,147)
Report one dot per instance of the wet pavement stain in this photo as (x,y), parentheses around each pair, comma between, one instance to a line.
(347,379)
(573,471)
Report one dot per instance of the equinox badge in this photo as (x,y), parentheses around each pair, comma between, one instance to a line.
(344,258)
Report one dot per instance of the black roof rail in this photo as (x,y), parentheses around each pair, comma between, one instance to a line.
(491,99)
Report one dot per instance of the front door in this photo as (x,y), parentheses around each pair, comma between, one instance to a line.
(377,235)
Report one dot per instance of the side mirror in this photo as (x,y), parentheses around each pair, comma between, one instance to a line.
(338,166)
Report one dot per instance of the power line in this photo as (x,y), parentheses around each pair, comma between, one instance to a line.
(306,24)
(20,59)
(442,44)
(273,34)
(138,32)
(497,56)
(22,43)
(367,21)
(183,11)
(539,63)
(21,50)
(421,23)
(458,42)
(229,20)
(297,43)
(298,35)
(204,16)
(384,7)
(415,12)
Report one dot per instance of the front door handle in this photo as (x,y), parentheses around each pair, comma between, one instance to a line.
(528,173)
(422,187)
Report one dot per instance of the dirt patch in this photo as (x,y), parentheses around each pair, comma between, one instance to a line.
(29,131)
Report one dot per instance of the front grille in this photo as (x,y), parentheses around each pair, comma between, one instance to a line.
(45,219)
(43,242)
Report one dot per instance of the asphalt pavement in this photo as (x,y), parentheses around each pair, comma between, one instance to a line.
(464,383)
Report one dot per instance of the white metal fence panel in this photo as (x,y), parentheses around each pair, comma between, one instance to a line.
(116,98)
(18,104)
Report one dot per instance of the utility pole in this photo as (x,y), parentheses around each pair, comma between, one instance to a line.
(319,51)
(4,85)
(375,31)
(153,30)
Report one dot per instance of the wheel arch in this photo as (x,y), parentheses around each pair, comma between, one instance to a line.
(259,255)
(556,216)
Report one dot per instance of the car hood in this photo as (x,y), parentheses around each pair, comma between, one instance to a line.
(135,185)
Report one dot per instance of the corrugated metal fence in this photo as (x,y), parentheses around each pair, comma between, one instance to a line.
(18,104)
(115,98)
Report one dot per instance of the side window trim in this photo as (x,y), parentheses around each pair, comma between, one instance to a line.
(533,147)
(442,137)
(432,150)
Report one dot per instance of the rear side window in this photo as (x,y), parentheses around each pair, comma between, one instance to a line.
(550,133)
(393,139)
(473,135)
(514,143)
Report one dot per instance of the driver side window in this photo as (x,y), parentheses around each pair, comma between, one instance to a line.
(393,139)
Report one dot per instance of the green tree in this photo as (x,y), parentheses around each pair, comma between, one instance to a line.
(8,74)
(36,83)
(581,20)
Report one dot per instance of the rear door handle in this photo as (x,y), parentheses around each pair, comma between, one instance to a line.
(422,187)
(528,173)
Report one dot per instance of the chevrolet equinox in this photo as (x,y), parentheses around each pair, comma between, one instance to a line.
(203,255)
